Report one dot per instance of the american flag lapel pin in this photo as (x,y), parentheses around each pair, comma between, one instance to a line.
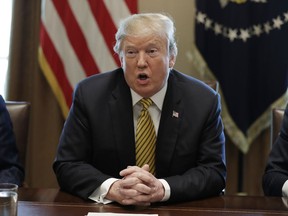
(175,114)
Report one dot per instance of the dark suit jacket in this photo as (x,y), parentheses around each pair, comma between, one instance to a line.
(276,172)
(98,139)
(10,168)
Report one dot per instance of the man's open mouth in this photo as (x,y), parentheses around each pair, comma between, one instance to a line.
(142,76)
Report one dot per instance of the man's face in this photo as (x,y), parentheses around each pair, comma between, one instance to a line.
(146,61)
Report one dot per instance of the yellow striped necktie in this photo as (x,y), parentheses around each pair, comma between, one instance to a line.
(145,137)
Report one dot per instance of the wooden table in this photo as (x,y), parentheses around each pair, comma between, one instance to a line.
(52,202)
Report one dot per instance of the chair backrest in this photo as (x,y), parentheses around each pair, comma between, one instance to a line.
(276,122)
(19,114)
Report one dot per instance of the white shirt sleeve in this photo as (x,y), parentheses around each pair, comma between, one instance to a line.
(99,194)
(166,189)
(285,189)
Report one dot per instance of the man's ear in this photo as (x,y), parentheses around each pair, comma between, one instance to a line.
(121,60)
(172,60)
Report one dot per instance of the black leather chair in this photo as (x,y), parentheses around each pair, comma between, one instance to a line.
(19,114)
(276,122)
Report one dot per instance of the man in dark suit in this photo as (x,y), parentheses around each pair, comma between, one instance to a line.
(275,178)
(96,155)
(11,170)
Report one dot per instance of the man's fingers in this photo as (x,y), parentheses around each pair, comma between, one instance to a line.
(146,167)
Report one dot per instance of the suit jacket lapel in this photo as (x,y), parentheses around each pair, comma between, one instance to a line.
(122,121)
(169,126)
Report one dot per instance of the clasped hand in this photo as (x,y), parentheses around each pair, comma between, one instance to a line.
(137,187)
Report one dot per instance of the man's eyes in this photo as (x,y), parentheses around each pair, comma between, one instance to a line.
(151,52)
(131,53)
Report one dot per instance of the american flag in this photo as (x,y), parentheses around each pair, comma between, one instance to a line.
(76,41)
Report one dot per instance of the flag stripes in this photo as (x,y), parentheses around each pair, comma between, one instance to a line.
(76,37)
(76,41)
(103,20)
(55,64)
(103,59)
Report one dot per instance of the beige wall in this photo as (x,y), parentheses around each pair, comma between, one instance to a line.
(182,11)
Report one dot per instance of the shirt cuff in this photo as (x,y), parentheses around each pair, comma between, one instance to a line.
(285,189)
(99,194)
(167,190)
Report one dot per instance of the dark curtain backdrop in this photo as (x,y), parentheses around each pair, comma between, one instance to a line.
(27,83)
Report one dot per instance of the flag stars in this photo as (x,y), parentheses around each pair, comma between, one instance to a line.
(241,33)
(232,34)
(217,28)
(201,17)
(257,30)
(286,17)
(208,23)
(277,23)
(267,27)
(244,34)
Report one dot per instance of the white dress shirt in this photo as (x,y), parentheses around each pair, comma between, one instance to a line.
(155,112)
(285,189)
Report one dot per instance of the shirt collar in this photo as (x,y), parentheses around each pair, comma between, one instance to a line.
(157,98)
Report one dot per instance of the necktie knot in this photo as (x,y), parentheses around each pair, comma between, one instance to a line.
(146,102)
